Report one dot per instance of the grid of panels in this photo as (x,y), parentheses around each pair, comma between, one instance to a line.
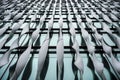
(85,5)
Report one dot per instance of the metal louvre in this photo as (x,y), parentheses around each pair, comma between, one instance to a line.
(59,40)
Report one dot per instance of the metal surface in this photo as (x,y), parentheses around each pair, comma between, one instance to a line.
(59,40)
